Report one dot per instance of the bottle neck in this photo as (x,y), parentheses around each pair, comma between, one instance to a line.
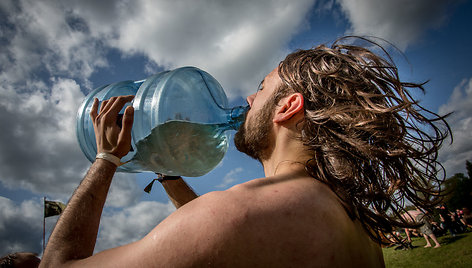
(235,117)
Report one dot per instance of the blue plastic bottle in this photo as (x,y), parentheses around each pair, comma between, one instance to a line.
(180,122)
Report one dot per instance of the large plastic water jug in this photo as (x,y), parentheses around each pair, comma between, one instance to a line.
(180,124)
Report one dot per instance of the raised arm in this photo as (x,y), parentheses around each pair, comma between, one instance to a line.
(194,235)
(76,231)
(179,192)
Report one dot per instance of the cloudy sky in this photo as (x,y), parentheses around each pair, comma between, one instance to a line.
(54,52)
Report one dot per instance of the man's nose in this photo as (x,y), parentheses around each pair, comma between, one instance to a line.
(250,99)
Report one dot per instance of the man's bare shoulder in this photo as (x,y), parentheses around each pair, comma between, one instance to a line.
(305,214)
(283,219)
(197,234)
(263,222)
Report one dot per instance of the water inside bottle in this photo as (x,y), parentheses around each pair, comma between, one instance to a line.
(182,148)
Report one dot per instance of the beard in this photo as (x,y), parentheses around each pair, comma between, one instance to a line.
(253,137)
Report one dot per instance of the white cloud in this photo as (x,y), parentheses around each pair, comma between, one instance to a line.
(131,223)
(39,148)
(229,178)
(20,226)
(236,41)
(399,21)
(124,191)
(45,36)
(454,156)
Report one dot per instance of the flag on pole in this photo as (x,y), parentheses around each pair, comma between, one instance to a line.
(52,208)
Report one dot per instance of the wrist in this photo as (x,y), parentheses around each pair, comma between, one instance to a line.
(109,158)
(162,178)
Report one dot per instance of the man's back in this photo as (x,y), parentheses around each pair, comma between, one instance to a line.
(299,222)
(283,221)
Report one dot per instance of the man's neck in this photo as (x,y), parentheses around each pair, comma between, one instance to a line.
(292,157)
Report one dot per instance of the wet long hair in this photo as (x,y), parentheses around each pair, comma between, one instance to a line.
(371,142)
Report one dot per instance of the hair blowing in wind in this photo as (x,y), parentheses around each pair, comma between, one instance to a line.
(371,142)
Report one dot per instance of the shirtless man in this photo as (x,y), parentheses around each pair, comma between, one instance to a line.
(316,207)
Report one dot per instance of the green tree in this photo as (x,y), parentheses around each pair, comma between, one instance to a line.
(458,189)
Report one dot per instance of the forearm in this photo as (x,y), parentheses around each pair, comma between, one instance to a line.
(76,230)
(179,192)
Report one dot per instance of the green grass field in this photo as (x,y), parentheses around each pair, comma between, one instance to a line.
(454,252)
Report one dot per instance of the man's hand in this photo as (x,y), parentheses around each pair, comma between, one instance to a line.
(110,138)
(73,238)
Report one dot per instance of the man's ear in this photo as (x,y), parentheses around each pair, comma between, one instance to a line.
(288,107)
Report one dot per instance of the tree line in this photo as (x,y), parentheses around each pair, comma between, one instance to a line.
(458,189)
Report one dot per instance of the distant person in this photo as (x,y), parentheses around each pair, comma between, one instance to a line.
(20,260)
(460,217)
(457,223)
(410,217)
(446,220)
(467,216)
(337,134)
(427,230)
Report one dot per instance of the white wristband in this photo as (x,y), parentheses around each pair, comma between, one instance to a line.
(110,158)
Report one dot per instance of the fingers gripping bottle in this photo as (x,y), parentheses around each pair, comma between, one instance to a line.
(180,124)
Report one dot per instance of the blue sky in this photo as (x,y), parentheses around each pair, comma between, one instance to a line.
(54,52)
